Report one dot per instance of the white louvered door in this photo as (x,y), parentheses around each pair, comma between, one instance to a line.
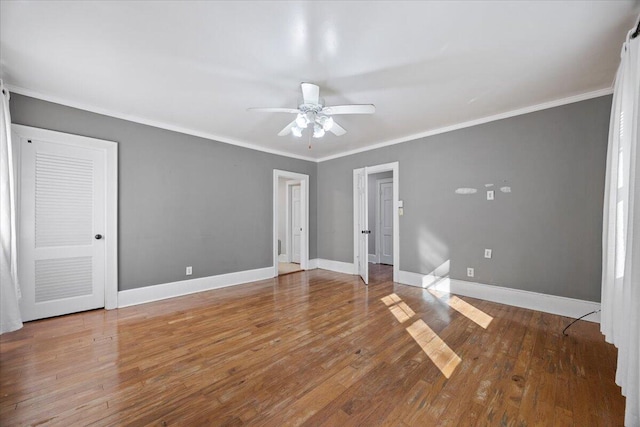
(62,213)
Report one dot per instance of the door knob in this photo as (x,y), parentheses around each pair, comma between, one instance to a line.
(98,236)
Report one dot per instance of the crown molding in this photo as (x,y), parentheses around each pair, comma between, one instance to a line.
(530,109)
(149,122)
(487,119)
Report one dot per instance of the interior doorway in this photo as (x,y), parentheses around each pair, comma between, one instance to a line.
(376,218)
(291,219)
(289,225)
(381,218)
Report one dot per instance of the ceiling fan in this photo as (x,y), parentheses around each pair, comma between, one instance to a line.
(312,112)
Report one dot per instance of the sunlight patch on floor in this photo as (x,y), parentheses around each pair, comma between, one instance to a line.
(435,348)
(461,306)
(390,299)
(402,312)
(398,308)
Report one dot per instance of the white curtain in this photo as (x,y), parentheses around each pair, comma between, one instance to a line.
(10,319)
(620,321)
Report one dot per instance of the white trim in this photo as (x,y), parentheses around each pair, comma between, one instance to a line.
(313,264)
(304,211)
(110,149)
(154,123)
(470,123)
(283,258)
(512,113)
(337,266)
(190,286)
(563,306)
(373,259)
(395,168)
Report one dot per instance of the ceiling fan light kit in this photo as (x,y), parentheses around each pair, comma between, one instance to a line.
(313,111)
(318,132)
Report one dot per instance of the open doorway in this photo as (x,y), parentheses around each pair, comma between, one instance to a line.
(291,219)
(375,222)
(289,229)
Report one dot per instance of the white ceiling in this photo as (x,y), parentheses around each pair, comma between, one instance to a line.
(197,66)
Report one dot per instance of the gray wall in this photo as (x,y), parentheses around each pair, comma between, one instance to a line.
(373,227)
(183,200)
(545,234)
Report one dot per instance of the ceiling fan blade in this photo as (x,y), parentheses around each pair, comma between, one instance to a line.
(287,129)
(310,93)
(275,110)
(350,109)
(337,130)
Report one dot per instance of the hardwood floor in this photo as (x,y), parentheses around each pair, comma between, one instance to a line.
(314,348)
(288,267)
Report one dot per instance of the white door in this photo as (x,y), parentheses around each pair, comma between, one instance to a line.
(62,223)
(385,223)
(296,223)
(363,225)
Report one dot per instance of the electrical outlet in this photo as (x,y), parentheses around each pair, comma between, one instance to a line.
(490,195)
(470,272)
(487,253)
(189,270)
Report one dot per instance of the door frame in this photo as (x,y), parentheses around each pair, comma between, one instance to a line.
(110,148)
(288,219)
(378,241)
(368,170)
(304,212)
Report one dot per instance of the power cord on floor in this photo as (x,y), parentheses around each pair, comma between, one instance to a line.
(581,317)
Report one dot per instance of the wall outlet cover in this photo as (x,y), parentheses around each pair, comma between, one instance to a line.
(490,195)
(189,271)
(470,272)
(487,253)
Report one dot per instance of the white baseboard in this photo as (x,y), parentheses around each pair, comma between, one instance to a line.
(185,287)
(283,258)
(373,258)
(553,304)
(337,266)
(312,264)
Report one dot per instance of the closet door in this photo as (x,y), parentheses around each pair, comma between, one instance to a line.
(62,241)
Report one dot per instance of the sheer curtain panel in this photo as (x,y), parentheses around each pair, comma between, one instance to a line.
(620,321)
(9,290)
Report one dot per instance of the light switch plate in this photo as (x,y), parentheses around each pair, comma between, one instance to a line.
(490,195)
(487,253)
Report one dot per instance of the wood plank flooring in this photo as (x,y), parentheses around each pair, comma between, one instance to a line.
(288,267)
(312,348)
